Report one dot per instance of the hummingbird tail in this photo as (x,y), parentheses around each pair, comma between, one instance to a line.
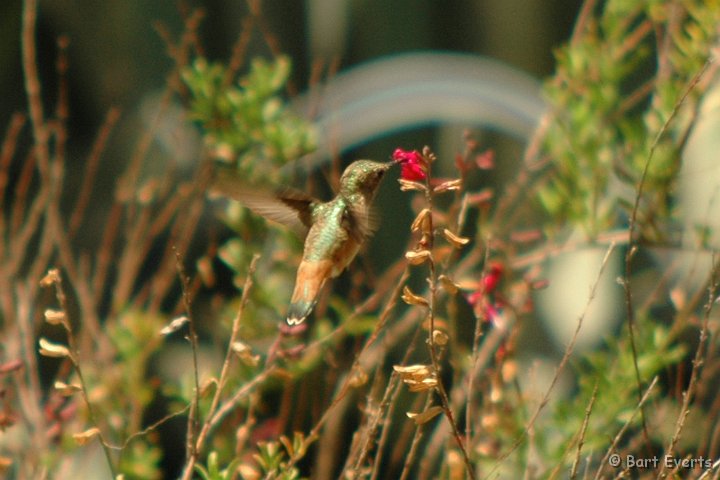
(310,279)
(298,312)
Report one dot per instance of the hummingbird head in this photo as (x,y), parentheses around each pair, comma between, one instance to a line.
(363,176)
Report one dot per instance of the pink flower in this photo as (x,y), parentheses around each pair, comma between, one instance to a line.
(483,299)
(412,164)
(485,160)
(491,279)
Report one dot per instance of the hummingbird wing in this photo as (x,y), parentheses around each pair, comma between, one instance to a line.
(285,206)
(361,222)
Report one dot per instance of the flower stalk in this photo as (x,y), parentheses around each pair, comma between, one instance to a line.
(417,168)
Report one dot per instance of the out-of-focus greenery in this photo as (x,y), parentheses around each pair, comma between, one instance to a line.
(623,101)
(617,83)
(246,122)
(248,127)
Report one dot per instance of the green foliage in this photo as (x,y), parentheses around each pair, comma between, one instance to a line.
(612,372)
(140,461)
(272,457)
(213,470)
(247,123)
(136,338)
(616,87)
(455,341)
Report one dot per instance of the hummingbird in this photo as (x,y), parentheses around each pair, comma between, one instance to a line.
(334,231)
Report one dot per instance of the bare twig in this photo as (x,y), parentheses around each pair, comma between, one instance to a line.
(314,433)
(272,41)
(581,24)
(89,176)
(193,417)
(633,246)
(237,58)
(7,152)
(583,429)
(231,404)
(475,356)
(54,278)
(150,428)
(32,84)
(388,405)
(234,335)
(697,364)
(415,444)
(627,424)
(563,362)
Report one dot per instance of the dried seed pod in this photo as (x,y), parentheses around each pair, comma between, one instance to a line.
(411,298)
(52,276)
(84,437)
(455,240)
(244,353)
(54,317)
(409,185)
(449,186)
(449,286)
(424,417)
(419,257)
(175,325)
(66,389)
(440,338)
(423,385)
(417,371)
(53,350)
(423,221)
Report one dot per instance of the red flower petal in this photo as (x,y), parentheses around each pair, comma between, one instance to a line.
(486,160)
(491,279)
(412,171)
(411,164)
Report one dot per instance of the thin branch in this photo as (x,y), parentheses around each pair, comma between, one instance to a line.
(32,84)
(434,356)
(193,420)
(237,57)
(696,366)
(581,24)
(129,179)
(389,403)
(150,428)
(232,403)
(583,429)
(627,424)
(475,356)
(344,389)
(54,278)
(91,168)
(563,362)
(387,406)
(415,444)
(229,353)
(633,241)
(7,151)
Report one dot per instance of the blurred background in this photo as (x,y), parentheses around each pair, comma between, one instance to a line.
(118,58)
(372,75)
